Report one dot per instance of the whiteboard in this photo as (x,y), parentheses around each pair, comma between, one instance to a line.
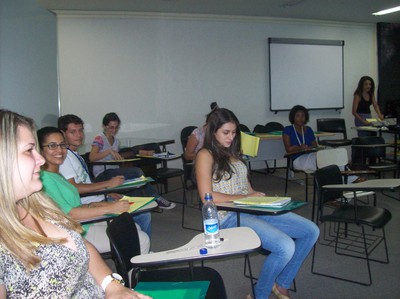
(305,72)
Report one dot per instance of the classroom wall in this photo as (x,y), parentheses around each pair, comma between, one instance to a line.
(160,72)
(28,60)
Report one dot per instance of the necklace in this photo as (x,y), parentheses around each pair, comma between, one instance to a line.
(297,135)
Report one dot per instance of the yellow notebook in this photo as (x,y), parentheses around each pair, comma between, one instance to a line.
(250,144)
(137,202)
(264,201)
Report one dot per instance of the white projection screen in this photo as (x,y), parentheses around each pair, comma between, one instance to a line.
(305,72)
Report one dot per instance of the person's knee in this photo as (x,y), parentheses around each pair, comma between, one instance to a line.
(284,248)
(144,242)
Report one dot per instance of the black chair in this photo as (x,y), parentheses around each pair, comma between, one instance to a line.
(348,242)
(370,152)
(187,165)
(333,125)
(290,167)
(260,129)
(273,126)
(243,128)
(125,245)
(158,169)
(189,179)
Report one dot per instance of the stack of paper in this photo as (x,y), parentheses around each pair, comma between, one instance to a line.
(264,201)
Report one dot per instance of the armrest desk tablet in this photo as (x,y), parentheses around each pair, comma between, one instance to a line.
(232,244)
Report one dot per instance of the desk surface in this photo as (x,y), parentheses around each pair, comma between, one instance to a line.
(150,206)
(370,185)
(269,136)
(230,206)
(129,142)
(232,244)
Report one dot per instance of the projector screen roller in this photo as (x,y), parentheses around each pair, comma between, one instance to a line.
(305,72)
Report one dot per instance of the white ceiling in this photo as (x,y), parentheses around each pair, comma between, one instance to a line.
(332,10)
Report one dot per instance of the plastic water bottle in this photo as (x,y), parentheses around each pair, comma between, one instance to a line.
(210,222)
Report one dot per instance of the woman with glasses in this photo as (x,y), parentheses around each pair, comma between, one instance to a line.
(105,147)
(54,150)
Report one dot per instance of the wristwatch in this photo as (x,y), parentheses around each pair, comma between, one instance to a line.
(112,277)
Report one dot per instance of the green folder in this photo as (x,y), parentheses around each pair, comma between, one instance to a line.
(174,290)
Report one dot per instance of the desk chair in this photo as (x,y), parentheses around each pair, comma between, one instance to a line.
(160,174)
(273,126)
(370,151)
(125,245)
(339,157)
(290,167)
(333,125)
(347,242)
(243,128)
(189,180)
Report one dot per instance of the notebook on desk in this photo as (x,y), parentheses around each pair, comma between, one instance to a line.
(264,201)
(382,123)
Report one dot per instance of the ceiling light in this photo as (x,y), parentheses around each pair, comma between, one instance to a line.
(386,11)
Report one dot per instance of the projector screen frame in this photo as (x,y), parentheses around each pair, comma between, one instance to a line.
(298,43)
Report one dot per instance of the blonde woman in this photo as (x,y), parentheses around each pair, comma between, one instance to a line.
(42,254)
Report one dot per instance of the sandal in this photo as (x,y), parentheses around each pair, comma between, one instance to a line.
(277,293)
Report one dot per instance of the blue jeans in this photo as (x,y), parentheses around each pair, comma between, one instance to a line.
(144,221)
(289,238)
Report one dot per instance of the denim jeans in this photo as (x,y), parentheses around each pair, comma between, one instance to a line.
(144,221)
(289,238)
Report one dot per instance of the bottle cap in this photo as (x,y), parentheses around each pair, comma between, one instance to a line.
(203,251)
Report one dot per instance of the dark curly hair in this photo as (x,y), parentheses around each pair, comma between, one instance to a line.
(296,109)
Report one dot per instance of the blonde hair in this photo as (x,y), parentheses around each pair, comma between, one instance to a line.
(18,239)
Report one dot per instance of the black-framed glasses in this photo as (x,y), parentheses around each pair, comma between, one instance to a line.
(53,146)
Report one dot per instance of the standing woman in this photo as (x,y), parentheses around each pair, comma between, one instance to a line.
(364,97)
(42,254)
(221,171)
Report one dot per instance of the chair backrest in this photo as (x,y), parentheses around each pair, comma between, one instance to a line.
(260,129)
(326,176)
(244,128)
(273,126)
(336,156)
(125,244)
(185,133)
(332,125)
(368,152)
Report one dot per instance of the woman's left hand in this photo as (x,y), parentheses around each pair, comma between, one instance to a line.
(255,194)
(118,291)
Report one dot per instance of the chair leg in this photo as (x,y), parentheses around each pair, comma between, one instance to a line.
(366,258)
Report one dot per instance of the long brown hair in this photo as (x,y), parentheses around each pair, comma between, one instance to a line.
(222,155)
(360,86)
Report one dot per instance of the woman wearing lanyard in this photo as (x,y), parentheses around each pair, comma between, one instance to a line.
(298,137)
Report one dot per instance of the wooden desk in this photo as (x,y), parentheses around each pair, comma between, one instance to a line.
(231,245)
(152,205)
(272,148)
